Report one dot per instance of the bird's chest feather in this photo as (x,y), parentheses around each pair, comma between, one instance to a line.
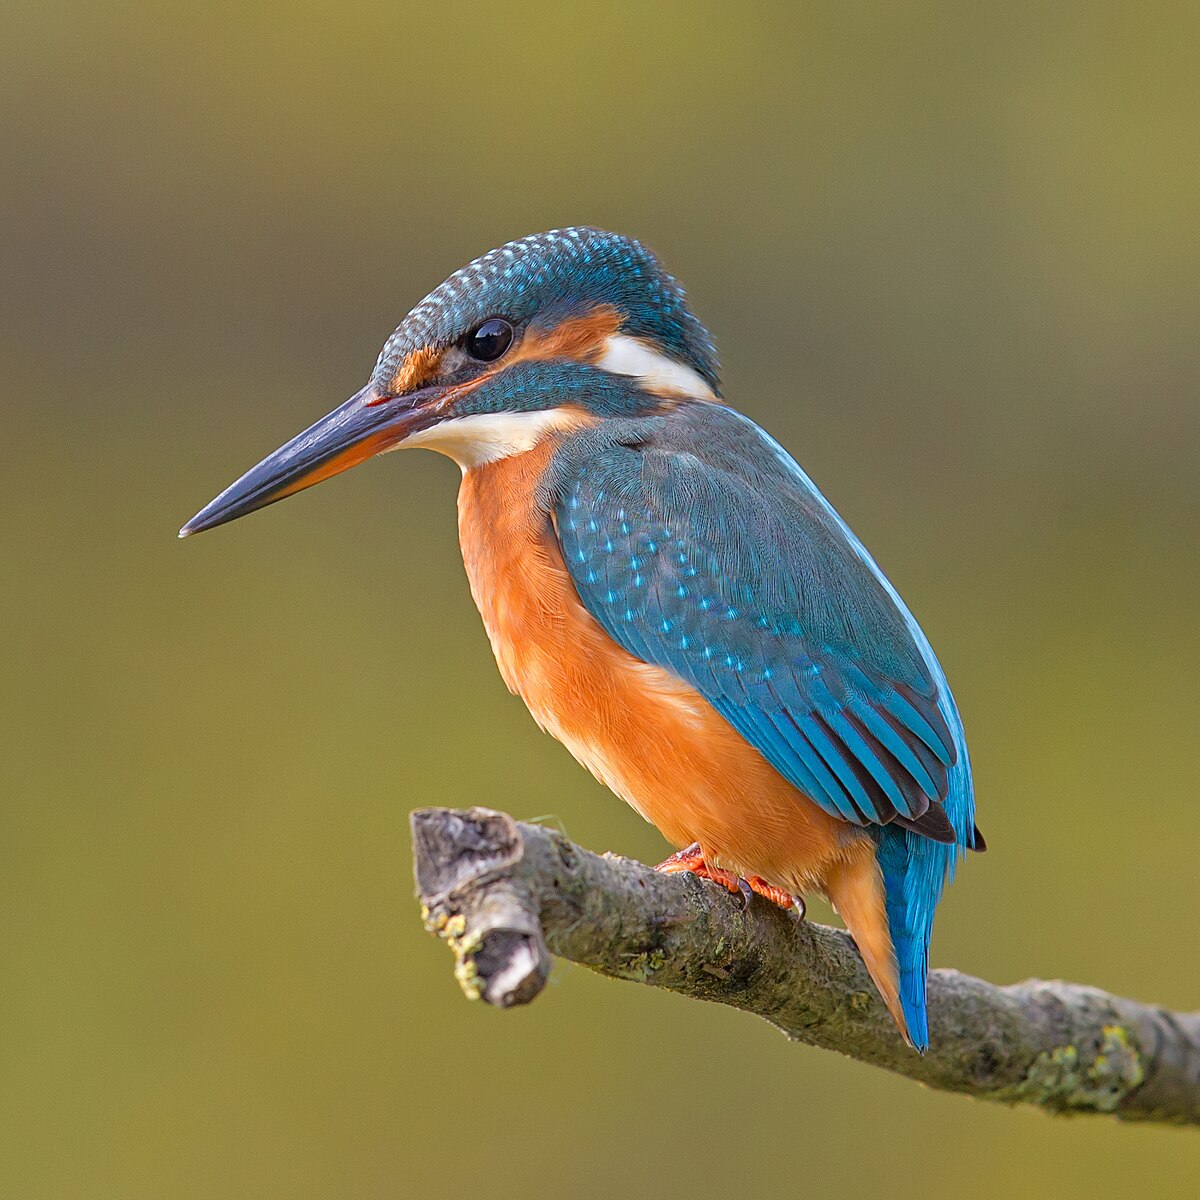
(638,728)
(550,650)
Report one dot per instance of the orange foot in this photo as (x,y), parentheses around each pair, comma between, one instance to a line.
(692,860)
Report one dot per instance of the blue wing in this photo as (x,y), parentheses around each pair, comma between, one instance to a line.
(704,549)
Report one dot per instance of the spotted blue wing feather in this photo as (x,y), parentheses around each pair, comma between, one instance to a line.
(701,547)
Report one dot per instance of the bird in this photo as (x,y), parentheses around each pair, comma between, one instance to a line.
(668,591)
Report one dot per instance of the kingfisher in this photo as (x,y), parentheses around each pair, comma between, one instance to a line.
(668,591)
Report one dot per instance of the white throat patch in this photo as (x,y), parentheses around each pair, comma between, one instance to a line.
(482,438)
(624,355)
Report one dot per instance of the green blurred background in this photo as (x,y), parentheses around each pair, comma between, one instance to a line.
(949,254)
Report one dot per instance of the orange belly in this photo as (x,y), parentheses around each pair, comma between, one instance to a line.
(643,732)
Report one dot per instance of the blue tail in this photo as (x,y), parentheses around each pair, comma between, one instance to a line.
(915,871)
(910,909)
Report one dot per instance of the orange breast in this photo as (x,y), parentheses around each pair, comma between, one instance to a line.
(645,733)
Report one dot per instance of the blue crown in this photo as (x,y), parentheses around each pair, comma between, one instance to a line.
(548,277)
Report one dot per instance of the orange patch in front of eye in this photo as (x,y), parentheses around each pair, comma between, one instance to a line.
(418,368)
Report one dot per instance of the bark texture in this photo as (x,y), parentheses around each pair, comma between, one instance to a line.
(506,896)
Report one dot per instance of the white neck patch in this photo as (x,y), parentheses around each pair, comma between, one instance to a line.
(624,355)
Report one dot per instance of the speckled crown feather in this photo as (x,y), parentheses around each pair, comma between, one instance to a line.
(562,272)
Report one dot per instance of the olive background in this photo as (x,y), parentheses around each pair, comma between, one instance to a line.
(949,255)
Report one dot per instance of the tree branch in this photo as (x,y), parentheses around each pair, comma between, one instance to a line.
(505,895)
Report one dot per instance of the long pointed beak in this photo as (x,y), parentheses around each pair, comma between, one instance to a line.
(359,429)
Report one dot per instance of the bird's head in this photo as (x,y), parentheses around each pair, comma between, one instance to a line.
(555,330)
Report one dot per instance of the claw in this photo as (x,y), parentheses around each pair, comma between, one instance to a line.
(692,860)
(769,892)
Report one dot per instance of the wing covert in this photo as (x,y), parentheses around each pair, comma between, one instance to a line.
(712,561)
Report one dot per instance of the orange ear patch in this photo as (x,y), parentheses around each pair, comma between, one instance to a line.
(582,338)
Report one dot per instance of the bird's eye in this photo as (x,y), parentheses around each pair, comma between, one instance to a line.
(487,342)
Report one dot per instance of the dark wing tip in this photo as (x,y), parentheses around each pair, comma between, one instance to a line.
(932,823)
